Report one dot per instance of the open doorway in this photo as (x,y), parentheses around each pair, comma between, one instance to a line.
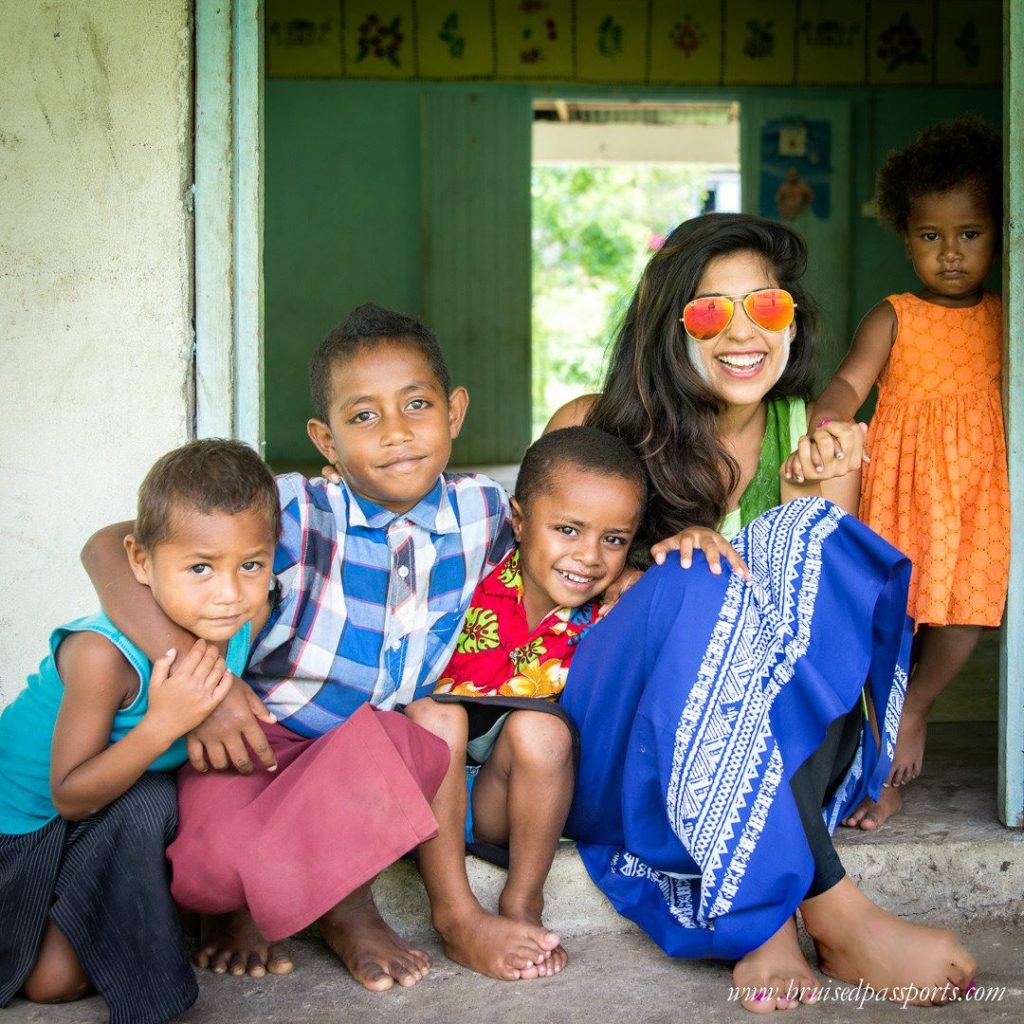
(609,182)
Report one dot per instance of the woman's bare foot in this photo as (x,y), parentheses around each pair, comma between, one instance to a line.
(870,815)
(231,944)
(499,947)
(908,757)
(375,955)
(531,912)
(776,976)
(859,942)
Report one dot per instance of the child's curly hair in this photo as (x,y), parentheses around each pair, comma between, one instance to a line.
(948,155)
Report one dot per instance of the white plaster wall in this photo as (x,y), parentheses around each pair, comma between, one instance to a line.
(95,288)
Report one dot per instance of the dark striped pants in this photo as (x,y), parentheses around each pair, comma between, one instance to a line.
(104,883)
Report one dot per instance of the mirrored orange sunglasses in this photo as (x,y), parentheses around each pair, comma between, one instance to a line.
(771,309)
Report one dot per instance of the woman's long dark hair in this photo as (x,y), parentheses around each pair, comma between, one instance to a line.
(655,400)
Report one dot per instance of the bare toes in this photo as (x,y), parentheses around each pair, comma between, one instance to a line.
(255,966)
(279,962)
(204,957)
(221,961)
(373,976)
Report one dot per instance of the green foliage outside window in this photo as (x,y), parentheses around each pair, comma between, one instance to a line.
(594,228)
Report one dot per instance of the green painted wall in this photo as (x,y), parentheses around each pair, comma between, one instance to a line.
(341,227)
(345,220)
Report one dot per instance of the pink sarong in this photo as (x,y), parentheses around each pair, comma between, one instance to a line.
(290,844)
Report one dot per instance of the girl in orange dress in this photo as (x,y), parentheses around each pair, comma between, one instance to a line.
(937,484)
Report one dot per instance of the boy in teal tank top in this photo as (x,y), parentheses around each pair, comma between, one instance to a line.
(87,803)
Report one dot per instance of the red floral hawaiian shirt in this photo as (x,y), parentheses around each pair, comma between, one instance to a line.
(498,655)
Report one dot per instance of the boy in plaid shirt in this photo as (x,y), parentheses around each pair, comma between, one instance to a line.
(375,576)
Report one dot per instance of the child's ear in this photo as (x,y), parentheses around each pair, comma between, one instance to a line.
(458,403)
(517,518)
(138,559)
(320,434)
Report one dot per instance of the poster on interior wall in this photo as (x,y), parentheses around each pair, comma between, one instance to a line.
(534,39)
(900,43)
(303,38)
(685,43)
(830,42)
(611,41)
(760,42)
(454,39)
(796,168)
(969,43)
(379,39)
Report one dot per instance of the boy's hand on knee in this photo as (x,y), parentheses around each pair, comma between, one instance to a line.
(227,735)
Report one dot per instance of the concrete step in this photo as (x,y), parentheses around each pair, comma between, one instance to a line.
(945,859)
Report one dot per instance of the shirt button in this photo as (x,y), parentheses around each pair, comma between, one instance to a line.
(403,571)
(396,645)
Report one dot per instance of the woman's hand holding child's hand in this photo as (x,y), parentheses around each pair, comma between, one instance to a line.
(830,450)
(179,702)
(700,538)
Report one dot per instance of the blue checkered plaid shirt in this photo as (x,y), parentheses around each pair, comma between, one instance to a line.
(371,602)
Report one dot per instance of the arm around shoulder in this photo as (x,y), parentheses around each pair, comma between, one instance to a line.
(128,603)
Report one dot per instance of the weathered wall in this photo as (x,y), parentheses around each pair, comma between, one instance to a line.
(95,304)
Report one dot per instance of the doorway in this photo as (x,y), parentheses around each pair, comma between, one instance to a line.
(609,181)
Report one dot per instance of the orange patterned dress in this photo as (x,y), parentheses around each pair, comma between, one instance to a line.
(937,487)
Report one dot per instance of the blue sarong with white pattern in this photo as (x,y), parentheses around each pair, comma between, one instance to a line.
(697,699)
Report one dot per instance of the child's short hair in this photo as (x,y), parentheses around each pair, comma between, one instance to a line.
(586,448)
(962,152)
(209,475)
(366,326)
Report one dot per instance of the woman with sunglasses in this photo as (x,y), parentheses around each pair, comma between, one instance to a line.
(721,723)
(710,376)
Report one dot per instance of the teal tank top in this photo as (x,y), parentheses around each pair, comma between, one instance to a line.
(27,724)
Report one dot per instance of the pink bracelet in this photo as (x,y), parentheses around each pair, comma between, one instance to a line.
(821,423)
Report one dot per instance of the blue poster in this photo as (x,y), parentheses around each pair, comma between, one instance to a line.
(796,168)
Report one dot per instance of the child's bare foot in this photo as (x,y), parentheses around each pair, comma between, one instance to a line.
(776,976)
(375,955)
(908,758)
(497,946)
(231,944)
(859,942)
(870,815)
(531,912)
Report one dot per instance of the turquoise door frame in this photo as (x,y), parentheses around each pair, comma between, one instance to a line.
(1011,667)
(229,220)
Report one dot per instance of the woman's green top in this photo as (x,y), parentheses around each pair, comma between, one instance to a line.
(786,424)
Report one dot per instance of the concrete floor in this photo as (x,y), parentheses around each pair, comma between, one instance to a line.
(611,979)
(945,860)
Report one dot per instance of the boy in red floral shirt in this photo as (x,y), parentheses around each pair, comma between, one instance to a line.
(579,501)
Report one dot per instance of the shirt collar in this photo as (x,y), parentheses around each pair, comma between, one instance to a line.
(433,512)
(507,579)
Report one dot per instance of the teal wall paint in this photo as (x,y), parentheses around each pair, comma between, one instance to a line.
(885,121)
(342,227)
(344,212)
